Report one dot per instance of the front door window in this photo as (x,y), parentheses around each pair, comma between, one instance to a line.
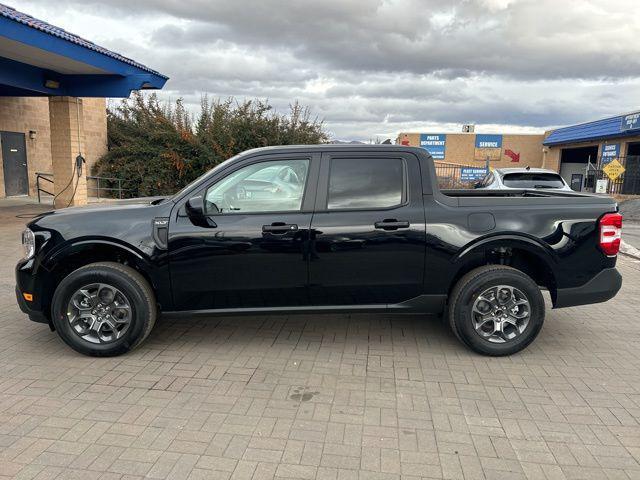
(272,186)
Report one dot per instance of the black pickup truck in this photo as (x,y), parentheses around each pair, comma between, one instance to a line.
(320,229)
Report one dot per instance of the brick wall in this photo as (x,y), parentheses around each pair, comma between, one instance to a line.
(18,114)
(67,136)
(95,130)
(22,114)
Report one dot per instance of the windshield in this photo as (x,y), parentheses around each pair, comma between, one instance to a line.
(532,180)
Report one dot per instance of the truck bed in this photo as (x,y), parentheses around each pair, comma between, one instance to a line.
(473,197)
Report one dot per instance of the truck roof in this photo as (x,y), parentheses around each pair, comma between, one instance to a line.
(336,146)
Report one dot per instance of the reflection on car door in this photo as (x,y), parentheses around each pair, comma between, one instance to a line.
(368,231)
(239,257)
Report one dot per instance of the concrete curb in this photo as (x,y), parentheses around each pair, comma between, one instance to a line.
(629,250)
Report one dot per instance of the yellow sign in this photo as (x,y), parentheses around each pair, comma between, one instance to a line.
(482,154)
(613,169)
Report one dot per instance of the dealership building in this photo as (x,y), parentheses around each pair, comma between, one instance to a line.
(580,153)
(578,150)
(53,119)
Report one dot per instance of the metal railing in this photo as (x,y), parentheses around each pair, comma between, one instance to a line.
(108,181)
(454,176)
(628,183)
(40,178)
(110,187)
(457,175)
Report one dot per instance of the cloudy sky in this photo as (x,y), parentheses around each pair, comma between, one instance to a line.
(372,68)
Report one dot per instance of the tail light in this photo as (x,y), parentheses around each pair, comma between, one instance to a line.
(610,233)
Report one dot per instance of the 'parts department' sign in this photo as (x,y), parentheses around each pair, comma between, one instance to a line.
(609,153)
(488,146)
(434,144)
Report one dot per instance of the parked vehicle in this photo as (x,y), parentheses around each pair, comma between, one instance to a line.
(322,228)
(519,178)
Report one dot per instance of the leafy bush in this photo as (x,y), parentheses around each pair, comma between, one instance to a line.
(157,148)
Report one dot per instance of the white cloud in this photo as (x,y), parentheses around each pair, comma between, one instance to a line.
(373,68)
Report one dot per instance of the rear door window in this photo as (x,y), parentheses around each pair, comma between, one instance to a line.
(532,180)
(366,183)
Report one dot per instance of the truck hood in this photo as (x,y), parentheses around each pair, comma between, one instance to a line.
(98,208)
(129,224)
(114,219)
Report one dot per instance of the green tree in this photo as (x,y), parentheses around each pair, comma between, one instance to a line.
(157,148)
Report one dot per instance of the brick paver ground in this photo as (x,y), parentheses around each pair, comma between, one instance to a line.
(322,397)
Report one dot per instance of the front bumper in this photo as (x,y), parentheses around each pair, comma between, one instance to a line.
(600,288)
(34,315)
(27,282)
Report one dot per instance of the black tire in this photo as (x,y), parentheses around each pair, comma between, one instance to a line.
(126,280)
(478,281)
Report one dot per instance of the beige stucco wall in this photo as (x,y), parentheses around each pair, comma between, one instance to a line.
(23,114)
(460,148)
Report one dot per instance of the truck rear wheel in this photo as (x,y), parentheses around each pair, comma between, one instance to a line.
(496,310)
(103,309)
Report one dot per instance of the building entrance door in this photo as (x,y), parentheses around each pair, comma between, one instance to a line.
(14,163)
(576,182)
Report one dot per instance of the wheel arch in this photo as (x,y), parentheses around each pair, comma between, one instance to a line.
(521,252)
(72,256)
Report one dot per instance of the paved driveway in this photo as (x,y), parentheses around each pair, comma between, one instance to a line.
(322,397)
(631,233)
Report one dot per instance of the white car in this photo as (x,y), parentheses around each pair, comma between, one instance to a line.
(519,178)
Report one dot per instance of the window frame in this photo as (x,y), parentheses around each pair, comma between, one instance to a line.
(322,201)
(556,177)
(308,193)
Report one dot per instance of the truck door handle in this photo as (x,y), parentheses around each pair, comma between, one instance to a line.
(391,224)
(279,228)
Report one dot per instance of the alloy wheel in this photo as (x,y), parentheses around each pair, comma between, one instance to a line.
(99,313)
(501,313)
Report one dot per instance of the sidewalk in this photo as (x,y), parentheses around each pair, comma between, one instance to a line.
(360,397)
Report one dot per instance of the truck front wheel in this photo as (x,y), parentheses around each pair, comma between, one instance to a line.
(103,309)
(496,310)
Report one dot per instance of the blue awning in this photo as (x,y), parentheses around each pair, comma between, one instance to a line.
(619,126)
(39,59)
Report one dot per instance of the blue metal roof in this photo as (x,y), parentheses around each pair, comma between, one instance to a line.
(100,72)
(32,22)
(597,130)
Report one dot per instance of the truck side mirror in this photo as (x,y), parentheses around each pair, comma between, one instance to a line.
(195,206)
